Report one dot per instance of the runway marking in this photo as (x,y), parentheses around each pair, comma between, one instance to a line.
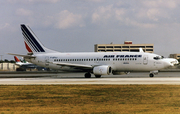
(117,81)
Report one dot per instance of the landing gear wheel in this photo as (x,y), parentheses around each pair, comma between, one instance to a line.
(151,75)
(87,75)
(98,76)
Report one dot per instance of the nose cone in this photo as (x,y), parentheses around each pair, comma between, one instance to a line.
(175,62)
(170,62)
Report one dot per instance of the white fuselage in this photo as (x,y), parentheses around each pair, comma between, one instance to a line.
(119,61)
(98,63)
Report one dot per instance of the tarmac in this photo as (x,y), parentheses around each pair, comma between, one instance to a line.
(49,78)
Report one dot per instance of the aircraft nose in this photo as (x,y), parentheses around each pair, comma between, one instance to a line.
(171,62)
(175,62)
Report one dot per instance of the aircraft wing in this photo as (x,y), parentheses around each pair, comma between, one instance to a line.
(76,66)
(25,56)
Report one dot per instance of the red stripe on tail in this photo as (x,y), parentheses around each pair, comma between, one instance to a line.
(27,47)
(16,59)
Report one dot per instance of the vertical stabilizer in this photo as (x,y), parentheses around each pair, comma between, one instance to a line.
(32,44)
(16,59)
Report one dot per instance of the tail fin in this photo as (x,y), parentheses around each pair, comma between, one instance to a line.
(33,45)
(16,59)
(18,62)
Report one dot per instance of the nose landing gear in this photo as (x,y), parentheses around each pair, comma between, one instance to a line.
(152,73)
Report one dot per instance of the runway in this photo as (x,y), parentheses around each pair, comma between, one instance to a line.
(78,78)
(119,81)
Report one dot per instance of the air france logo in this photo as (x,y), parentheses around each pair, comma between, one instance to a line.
(121,56)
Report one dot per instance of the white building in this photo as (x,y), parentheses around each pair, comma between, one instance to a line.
(8,67)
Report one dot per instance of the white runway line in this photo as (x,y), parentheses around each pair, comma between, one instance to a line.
(117,81)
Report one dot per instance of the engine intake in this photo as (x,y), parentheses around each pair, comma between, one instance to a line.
(102,70)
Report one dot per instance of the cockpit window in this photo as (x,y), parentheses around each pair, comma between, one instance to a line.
(158,57)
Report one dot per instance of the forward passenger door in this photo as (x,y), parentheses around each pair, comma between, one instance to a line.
(145,60)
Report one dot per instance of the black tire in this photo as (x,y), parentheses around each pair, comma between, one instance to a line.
(87,75)
(98,76)
(151,75)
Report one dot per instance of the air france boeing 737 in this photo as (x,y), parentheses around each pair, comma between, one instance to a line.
(97,63)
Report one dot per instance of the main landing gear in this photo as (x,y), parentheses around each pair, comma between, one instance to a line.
(88,75)
(98,76)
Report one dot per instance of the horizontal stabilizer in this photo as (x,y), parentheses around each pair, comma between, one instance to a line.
(25,56)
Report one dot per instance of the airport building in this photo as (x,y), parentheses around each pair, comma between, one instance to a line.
(126,47)
(175,56)
(8,67)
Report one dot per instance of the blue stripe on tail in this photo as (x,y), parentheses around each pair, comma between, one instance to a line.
(30,38)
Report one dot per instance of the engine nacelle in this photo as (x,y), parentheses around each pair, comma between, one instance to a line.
(102,70)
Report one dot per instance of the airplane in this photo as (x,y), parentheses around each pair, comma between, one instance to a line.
(97,63)
(19,63)
(26,65)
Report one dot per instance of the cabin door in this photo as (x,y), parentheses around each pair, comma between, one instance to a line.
(145,60)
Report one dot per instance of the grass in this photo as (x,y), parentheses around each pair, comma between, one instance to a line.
(89,99)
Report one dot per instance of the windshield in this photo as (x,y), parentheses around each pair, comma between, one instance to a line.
(158,57)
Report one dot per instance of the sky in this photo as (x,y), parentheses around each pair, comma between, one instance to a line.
(77,25)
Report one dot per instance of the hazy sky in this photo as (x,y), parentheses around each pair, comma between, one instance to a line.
(76,25)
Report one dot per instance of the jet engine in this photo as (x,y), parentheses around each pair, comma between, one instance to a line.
(102,70)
